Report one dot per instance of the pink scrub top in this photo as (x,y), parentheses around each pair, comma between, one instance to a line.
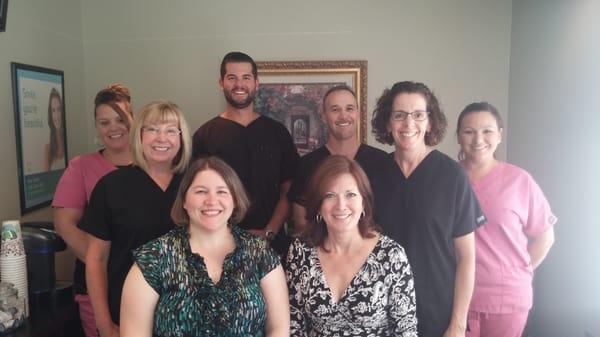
(516,209)
(77,182)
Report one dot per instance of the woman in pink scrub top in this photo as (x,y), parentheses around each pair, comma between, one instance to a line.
(113,115)
(517,236)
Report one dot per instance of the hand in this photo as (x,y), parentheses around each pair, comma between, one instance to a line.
(259,232)
(455,330)
(111,330)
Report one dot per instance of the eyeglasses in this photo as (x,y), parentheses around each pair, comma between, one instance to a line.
(418,115)
(171,131)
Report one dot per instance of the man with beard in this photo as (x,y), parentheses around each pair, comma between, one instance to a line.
(341,115)
(258,148)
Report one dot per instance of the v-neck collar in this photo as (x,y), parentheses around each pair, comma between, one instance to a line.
(417,169)
(239,124)
(485,181)
(169,187)
(361,270)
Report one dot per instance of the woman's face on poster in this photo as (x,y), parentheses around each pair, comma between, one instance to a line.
(56,110)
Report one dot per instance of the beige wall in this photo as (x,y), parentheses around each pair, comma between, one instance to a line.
(173,49)
(47,34)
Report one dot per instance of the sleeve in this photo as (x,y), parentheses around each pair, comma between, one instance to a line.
(97,216)
(468,215)
(539,214)
(70,191)
(268,259)
(289,157)
(402,300)
(148,258)
(294,275)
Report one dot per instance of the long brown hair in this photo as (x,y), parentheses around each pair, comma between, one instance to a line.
(54,144)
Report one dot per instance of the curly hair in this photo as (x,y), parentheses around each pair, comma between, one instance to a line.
(383,110)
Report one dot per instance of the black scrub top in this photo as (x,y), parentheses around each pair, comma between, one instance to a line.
(424,213)
(262,154)
(128,209)
(368,157)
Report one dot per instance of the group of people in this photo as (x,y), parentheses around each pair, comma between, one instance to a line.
(184,236)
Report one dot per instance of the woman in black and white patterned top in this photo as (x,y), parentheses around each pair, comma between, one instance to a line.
(344,277)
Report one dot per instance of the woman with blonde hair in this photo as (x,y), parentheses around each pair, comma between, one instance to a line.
(131,206)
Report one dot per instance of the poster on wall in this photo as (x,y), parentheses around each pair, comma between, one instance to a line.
(291,92)
(40,130)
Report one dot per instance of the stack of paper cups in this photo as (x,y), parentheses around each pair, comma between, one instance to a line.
(13,263)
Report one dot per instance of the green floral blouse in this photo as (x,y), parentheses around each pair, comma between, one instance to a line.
(189,303)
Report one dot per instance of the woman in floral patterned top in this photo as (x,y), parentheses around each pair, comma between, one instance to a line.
(344,277)
(208,277)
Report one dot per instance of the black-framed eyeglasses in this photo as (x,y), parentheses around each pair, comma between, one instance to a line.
(417,115)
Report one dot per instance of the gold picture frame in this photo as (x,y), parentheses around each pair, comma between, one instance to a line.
(292,91)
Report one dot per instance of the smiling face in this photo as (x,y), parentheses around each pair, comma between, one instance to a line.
(408,134)
(340,114)
(160,142)
(56,112)
(479,136)
(208,202)
(342,205)
(239,84)
(112,129)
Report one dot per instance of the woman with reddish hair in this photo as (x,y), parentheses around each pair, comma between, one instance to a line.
(344,276)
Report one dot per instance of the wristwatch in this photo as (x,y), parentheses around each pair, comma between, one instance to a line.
(270,235)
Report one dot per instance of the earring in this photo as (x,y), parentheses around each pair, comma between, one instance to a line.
(319,218)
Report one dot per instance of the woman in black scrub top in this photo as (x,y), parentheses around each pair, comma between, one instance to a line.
(427,205)
(131,206)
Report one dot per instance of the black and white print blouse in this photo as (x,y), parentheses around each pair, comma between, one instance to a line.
(379,301)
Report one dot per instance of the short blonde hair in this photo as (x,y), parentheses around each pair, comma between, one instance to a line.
(159,112)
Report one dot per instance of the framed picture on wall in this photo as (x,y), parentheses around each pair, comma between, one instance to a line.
(40,130)
(292,92)
(3,10)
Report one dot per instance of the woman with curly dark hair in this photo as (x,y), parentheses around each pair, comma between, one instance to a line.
(427,205)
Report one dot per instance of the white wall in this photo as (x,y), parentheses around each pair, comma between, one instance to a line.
(47,34)
(173,49)
(553,132)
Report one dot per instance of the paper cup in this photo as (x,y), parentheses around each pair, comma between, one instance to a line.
(11,229)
